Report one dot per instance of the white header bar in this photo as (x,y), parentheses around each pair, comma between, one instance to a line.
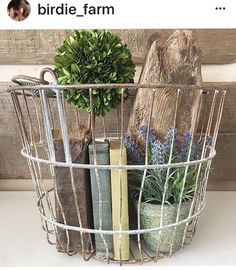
(82,14)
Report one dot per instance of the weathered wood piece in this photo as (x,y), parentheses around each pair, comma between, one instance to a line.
(175,61)
(78,141)
(38,46)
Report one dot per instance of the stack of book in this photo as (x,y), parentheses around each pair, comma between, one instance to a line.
(102,201)
(113,196)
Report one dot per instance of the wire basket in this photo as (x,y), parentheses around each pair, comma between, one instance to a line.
(62,176)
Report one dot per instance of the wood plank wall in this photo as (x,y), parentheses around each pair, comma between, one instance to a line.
(37,47)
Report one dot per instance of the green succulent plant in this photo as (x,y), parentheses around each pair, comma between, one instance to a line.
(94,56)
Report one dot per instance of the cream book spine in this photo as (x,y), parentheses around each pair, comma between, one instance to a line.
(119,191)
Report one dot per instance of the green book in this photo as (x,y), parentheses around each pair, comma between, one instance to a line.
(102,157)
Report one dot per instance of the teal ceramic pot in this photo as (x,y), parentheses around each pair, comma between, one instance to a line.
(150,215)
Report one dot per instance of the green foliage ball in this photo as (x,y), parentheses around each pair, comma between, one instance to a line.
(94,56)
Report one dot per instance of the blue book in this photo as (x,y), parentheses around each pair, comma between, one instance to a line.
(102,156)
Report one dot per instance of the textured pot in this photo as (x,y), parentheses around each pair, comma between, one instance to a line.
(150,215)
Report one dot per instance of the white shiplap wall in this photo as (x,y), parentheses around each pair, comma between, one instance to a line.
(210,73)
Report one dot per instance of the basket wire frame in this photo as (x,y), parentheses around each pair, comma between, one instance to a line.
(38,113)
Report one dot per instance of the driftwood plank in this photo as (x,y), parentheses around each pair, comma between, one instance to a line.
(38,46)
(174,61)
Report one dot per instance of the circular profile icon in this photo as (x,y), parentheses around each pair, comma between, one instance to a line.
(18,10)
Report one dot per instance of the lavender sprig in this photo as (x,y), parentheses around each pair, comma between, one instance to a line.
(135,154)
(169,139)
(185,145)
(143,132)
(197,147)
(157,153)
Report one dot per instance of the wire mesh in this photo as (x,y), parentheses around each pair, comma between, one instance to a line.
(49,127)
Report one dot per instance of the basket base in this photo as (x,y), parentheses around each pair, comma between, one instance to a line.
(147,255)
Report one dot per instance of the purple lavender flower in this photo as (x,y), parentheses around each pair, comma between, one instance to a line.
(143,132)
(198,147)
(135,154)
(168,141)
(185,145)
(157,153)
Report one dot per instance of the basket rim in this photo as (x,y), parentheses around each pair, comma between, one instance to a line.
(118,167)
(134,86)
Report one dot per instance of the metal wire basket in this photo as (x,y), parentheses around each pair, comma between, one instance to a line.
(42,109)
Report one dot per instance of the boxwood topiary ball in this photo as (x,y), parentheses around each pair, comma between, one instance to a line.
(94,56)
